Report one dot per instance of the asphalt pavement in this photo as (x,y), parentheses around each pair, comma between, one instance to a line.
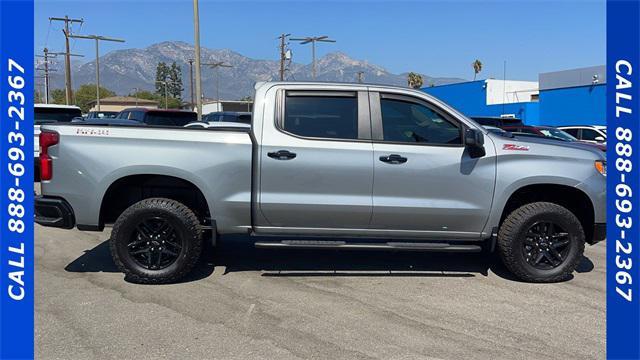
(245,303)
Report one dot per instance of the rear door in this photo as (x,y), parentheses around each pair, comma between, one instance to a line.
(316,162)
(425,182)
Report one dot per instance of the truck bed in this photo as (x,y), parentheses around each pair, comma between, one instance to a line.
(216,160)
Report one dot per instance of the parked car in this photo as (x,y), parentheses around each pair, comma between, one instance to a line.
(48,114)
(145,116)
(497,121)
(552,132)
(217,124)
(228,116)
(346,166)
(102,114)
(591,133)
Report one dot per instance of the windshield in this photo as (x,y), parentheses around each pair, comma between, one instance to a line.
(557,133)
(50,115)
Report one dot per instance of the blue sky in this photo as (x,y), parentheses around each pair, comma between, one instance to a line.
(438,38)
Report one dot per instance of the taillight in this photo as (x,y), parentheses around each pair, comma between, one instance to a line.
(47,138)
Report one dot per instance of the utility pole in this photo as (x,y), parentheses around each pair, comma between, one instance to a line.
(46,74)
(191,80)
(67,59)
(217,65)
(313,40)
(97,39)
(360,76)
(196,35)
(135,94)
(166,94)
(283,53)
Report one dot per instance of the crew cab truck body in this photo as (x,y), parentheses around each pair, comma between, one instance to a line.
(353,165)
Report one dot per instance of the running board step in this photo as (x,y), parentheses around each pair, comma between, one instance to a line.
(404,246)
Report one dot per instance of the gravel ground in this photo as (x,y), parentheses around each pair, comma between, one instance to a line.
(244,303)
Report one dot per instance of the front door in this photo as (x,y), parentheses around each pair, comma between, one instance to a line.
(425,181)
(316,167)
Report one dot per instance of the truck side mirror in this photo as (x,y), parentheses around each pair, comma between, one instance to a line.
(600,139)
(474,141)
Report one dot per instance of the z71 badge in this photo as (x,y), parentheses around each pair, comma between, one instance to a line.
(514,147)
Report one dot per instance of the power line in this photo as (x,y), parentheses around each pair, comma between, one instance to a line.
(217,65)
(67,79)
(48,55)
(313,40)
(97,39)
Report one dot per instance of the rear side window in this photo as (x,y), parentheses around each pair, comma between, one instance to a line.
(44,115)
(573,132)
(333,117)
(410,122)
(170,118)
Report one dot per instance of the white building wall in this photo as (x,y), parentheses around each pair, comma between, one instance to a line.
(510,91)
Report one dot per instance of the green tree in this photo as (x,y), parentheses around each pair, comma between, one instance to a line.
(477,67)
(146,95)
(58,96)
(414,80)
(175,81)
(172,102)
(38,97)
(86,94)
(247,98)
(162,75)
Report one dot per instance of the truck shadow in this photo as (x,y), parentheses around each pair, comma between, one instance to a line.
(238,254)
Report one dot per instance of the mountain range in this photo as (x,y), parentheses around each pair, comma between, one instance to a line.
(125,70)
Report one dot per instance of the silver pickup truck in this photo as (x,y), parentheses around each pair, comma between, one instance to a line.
(326,166)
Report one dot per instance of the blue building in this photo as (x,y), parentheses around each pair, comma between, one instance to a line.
(568,97)
(573,97)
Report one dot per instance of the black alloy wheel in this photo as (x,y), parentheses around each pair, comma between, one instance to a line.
(155,244)
(546,245)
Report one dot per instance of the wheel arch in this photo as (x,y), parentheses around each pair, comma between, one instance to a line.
(569,197)
(127,189)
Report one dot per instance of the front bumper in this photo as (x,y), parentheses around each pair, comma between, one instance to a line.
(599,233)
(54,212)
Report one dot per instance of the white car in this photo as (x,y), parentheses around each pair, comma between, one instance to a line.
(596,134)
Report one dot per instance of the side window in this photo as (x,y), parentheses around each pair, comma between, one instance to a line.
(573,132)
(333,117)
(588,134)
(410,122)
(137,116)
(123,115)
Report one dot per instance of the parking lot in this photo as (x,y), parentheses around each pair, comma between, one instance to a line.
(243,303)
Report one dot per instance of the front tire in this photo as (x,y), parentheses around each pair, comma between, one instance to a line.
(541,242)
(156,241)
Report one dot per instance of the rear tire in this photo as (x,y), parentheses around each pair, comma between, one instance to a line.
(541,242)
(156,241)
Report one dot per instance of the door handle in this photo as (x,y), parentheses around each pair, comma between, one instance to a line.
(281,155)
(393,159)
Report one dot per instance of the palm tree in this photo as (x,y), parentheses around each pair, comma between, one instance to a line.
(477,67)
(414,80)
